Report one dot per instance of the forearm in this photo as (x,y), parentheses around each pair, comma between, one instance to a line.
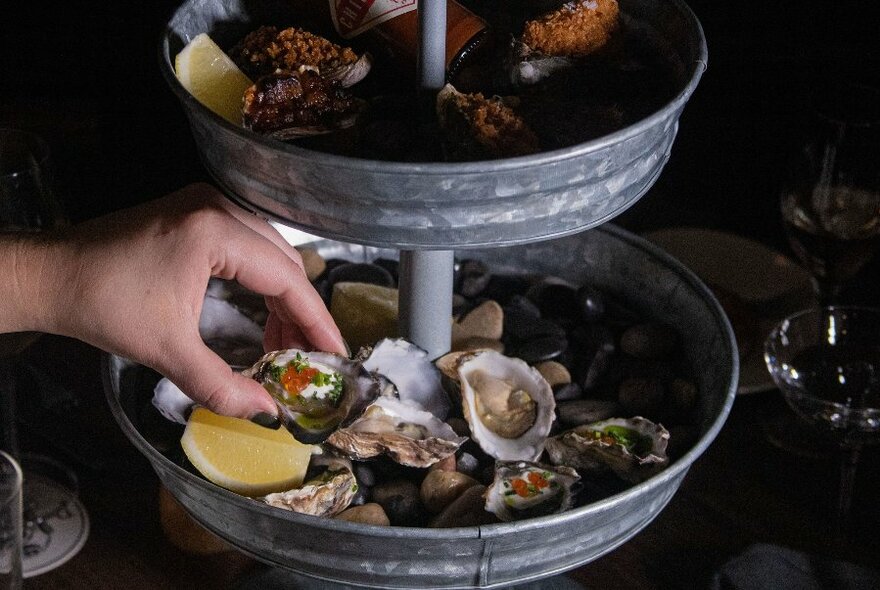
(32,266)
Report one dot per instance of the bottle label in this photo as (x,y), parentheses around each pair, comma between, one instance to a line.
(353,17)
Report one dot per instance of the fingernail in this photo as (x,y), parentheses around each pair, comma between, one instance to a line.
(266,420)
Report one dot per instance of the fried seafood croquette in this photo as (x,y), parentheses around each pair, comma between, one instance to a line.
(575,29)
(478,128)
(267,49)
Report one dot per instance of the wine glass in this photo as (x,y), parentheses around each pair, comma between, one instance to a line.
(28,204)
(826,362)
(830,201)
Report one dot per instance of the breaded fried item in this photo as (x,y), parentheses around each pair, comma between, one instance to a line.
(477,128)
(267,49)
(575,29)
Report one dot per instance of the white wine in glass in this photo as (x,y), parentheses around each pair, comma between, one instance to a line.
(830,202)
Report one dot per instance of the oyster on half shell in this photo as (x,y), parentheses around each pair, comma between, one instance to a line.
(316,392)
(508,405)
(560,38)
(268,49)
(289,104)
(633,448)
(403,431)
(523,489)
(474,127)
(327,493)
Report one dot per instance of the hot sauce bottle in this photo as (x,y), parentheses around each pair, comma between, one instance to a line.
(394,23)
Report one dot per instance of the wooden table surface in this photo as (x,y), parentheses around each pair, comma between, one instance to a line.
(743,490)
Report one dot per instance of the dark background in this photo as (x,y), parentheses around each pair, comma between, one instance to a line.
(86,76)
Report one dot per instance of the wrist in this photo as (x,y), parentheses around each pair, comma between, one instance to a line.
(31,293)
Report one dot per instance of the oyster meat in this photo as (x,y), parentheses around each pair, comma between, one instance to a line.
(327,493)
(524,489)
(508,405)
(403,431)
(633,448)
(316,392)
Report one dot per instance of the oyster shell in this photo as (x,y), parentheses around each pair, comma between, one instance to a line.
(415,378)
(403,431)
(171,401)
(226,330)
(508,405)
(326,494)
(350,74)
(316,392)
(524,489)
(633,448)
(528,67)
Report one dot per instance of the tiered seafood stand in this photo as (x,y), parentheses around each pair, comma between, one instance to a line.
(523,214)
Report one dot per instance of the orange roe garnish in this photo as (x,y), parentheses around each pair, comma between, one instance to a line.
(520,487)
(538,480)
(295,381)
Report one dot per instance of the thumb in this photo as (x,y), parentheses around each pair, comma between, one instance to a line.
(210,382)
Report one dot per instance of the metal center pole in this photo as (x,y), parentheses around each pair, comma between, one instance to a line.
(426,275)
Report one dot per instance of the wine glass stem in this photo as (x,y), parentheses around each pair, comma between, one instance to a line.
(8,432)
(826,291)
(849,460)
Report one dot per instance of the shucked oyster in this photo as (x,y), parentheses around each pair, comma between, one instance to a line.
(409,435)
(634,448)
(473,127)
(559,38)
(508,405)
(523,489)
(316,392)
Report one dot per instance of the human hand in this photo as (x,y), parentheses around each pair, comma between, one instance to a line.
(133,283)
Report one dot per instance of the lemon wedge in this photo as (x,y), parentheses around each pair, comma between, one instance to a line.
(365,313)
(212,77)
(242,457)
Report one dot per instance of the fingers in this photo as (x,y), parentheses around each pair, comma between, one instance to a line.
(210,382)
(272,333)
(259,265)
(259,225)
(266,264)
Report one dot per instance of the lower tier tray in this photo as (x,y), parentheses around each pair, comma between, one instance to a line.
(490,556)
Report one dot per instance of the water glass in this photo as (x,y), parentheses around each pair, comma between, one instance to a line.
(10,523)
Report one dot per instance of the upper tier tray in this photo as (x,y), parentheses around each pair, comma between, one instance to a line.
(436,205)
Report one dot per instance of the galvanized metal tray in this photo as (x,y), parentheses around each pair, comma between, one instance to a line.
(434,205)
(493,556)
